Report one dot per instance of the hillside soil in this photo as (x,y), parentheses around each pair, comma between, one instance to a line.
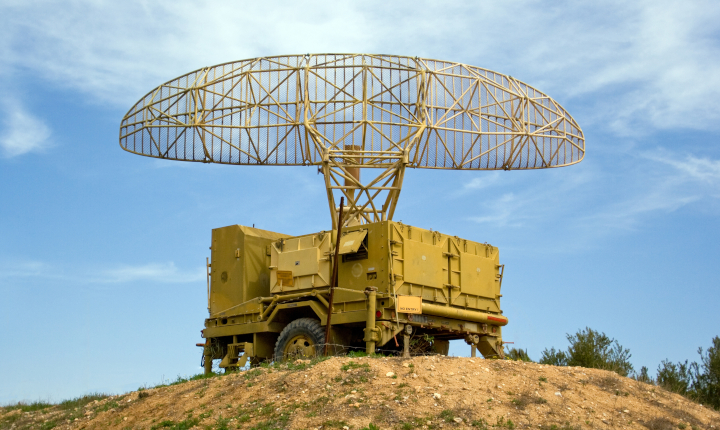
(385,393)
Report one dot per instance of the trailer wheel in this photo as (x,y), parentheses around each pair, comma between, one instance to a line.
(302,338)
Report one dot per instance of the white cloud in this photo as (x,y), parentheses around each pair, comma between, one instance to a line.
(640,65)
(152,272)
(503,212)
(627,213)
(479,183)
(117,52)
(27,269)
(590,202)
(665,182)
(537,197)
(693,168)
(633,66)
(22,132)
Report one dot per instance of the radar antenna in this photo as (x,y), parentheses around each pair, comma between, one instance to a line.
(353,113)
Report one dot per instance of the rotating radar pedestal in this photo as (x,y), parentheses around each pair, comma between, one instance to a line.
(360,119)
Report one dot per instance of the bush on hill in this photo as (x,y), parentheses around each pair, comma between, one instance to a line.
(518,355)
(675,377)
(644,376)
(593,349)
(700,382)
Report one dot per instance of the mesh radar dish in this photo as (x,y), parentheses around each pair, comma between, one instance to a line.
(350,112)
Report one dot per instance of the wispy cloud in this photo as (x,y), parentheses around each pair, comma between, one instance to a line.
(27,269)
(117,52)
(505,211)
(155,272)
(152,272)
(606,198)
(634,67)
(479,183)
(533,200)
(631,209)
(21,132)
(666,182)
(689,167)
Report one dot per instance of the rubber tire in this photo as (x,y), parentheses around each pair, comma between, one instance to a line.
(305,326)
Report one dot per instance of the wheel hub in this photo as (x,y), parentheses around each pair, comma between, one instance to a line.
(300,346)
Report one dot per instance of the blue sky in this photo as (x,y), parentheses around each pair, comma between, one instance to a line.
(102,252)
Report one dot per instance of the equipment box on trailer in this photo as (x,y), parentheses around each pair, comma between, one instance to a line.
(393,280)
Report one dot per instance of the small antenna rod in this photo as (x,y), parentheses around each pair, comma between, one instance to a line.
(333,281)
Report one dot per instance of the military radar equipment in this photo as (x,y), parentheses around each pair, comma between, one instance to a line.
(361,120)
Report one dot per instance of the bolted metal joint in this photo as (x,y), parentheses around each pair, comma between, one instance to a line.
(472,339)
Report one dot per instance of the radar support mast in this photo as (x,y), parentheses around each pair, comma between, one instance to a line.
(347,113)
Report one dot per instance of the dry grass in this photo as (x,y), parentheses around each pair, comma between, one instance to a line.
(354,392)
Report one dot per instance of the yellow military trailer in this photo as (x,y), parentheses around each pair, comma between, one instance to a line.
(269,292)
(361,120)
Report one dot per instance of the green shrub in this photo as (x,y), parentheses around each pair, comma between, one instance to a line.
(518,355)
(553,357)
(481,424)
(163,424)
(707,375)
(674,377)
(700,382)
(28,407)
(643,376)
(447,415)
(335,424)
(353,365)
(593,349)
(182,425)
(81,401)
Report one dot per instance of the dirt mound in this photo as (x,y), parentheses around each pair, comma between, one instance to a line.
(387,393)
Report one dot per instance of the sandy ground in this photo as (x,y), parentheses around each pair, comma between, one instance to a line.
(389,393)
